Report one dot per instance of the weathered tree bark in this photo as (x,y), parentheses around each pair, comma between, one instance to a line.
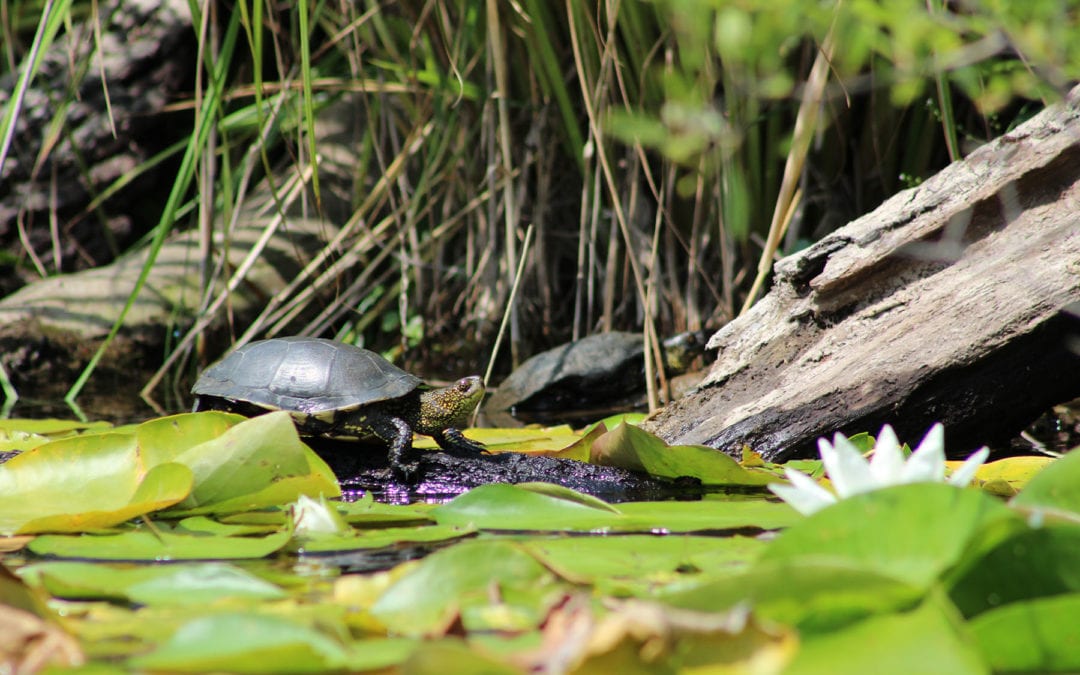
(957,301)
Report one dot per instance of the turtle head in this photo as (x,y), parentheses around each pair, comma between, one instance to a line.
(451,406)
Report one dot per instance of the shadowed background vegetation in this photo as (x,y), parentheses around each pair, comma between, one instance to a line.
(662,152)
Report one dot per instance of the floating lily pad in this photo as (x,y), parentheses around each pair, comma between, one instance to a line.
(204,525)
(1054,488)
(615,564)
(432,595)
(257,463)
(157,545)
(245,643)
(50,427)
(1037,636)
(927,640)
(1030,564)
(513,507)
(366,512)
(814,595)
(84,483)
(912,532)
(181,584)
(528,440)
(361,540)
(633,448)
(1014,472)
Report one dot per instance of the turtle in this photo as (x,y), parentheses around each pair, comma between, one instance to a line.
(337,390)
(606,371)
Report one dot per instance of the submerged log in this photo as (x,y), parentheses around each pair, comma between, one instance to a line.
(957,301)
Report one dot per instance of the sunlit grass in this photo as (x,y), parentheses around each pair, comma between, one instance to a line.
(665,152)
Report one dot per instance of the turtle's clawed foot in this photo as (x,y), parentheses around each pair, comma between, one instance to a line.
(452,440)
(400,467)
(404,473)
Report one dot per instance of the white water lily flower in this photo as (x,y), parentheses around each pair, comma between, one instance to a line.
(851,474)
(316,517)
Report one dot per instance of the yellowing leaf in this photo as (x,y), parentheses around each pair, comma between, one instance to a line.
(545,441)
(1014,471)
(257,463)
(634,448)
(84,482)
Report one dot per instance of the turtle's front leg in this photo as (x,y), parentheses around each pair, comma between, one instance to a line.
(452,440)
(398,434)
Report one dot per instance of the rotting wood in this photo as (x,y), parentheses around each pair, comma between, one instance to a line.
(957,301)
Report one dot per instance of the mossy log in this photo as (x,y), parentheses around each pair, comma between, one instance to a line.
(956,301)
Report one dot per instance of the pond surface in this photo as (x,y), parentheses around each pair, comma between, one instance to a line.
(502,577)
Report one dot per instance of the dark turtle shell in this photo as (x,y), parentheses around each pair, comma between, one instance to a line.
(305,375)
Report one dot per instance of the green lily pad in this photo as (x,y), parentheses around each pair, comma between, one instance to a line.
(816,596)
(204,525)
(529,440)
(181,584)
(432,595)
(614,564)
(513,507)
(714,513)
(1014,472)
(49,427)
(1054,488)
(245,643)
(432,658)
(357,540)
(566,494)
(633,448)
(166,438)
(1030,564)
(84,483)
(160,544)
(911,532)
(366,512)
(1040,635)
(257,463)
(612,421)
(927,640)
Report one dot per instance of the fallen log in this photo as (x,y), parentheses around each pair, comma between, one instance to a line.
(956,301)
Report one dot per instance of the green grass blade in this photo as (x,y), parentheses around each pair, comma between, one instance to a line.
(309,103)
(185,175)
(52,17)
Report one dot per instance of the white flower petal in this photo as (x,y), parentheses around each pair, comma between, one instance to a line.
(964,475)
(887,464)
(927,462)
(315,517)
(804,494)
(847,468)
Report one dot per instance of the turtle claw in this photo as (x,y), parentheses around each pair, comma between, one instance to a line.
(404,473)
